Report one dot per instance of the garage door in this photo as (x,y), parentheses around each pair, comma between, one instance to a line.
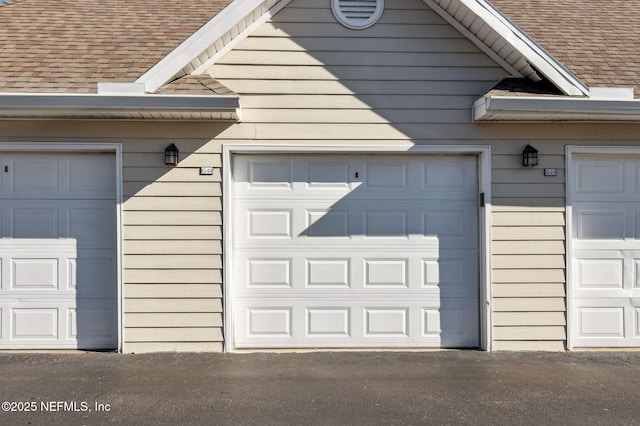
(605,281)
(355,251)
(58,251)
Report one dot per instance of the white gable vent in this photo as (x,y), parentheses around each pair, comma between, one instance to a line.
(357,14)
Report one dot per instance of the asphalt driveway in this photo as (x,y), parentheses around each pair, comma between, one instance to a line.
(329,388)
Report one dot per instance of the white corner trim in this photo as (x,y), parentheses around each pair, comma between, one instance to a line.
(198,42)
(484,184)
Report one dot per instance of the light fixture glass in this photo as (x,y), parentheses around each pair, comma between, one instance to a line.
(530,156)
(171,155)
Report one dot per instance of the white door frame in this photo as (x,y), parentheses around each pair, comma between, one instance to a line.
(116,149)
(570,150)
(484,187)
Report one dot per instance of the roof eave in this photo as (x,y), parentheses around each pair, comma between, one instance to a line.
(554,109)
(125,107)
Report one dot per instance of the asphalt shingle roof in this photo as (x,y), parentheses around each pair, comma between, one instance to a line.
(71,45)
(598,40)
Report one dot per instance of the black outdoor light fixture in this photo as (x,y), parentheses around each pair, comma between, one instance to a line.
(530,156)
(171,155)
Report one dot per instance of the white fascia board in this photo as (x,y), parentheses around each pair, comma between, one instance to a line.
(199,41)
(43,104)
(532,108)
(229,45)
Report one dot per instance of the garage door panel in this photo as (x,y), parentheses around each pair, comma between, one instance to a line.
(34,174)
(92,227)
(34,324)
(600,177)
(91,175)
(94,276)
(360,177)
(91,223)
(355,251)
(92,321)
(449,273)
(30,274)
(32,266)
(51,176)
(453,224)
(333,323)
(34,222)
(58,280)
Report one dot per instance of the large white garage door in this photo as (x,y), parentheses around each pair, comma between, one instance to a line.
(57,251)
(355,251)
(605,281)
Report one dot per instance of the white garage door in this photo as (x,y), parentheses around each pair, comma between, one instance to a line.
(57,251)
(605,281)
(355,251)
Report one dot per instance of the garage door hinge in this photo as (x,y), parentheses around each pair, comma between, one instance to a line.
(482,199)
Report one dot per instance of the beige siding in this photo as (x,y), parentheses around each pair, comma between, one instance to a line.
(529,287)
(172,248)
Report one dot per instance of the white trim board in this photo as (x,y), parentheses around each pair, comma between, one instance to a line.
(116,149)
(212,32)
(484,183)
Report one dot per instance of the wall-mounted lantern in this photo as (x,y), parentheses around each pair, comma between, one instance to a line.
(530,156)
(171,155)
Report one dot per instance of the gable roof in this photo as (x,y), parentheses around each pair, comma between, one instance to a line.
(71,45)
(478,20)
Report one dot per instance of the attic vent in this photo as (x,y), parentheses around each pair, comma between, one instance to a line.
(357,14)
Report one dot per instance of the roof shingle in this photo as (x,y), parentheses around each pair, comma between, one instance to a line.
(71,45)
(597,40)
